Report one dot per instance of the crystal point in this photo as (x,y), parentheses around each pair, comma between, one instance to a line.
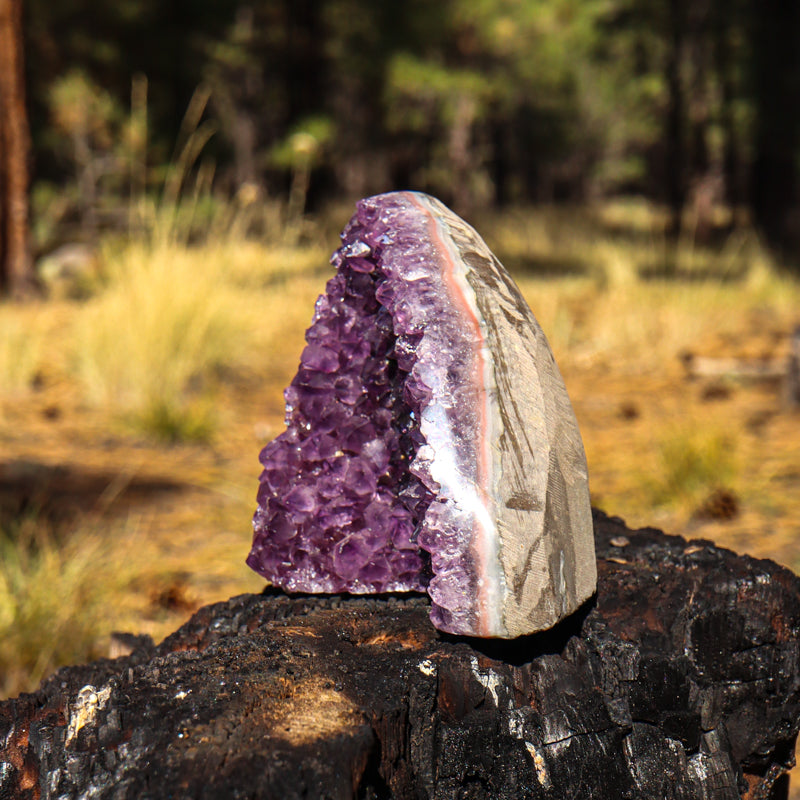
(430,443)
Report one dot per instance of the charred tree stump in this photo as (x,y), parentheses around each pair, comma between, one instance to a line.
(681,679)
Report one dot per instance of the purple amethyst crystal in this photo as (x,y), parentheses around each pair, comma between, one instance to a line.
(430,444)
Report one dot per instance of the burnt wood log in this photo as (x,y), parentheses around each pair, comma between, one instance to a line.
(681,679)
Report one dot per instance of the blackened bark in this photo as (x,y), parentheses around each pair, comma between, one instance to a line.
(16,267)
(680,681)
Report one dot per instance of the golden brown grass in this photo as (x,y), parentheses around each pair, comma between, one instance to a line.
(173,370)
(151,346)
(22,350)
(54,598)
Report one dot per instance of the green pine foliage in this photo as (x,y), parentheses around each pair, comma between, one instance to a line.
(477,101)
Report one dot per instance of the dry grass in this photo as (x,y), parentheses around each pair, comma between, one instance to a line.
(152,346)
(656,441)
(691,463)
(22,350)
(54,599)
(192,346)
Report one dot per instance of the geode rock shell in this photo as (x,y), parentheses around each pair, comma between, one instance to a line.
(430,443)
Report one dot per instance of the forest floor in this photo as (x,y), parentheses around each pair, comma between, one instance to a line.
(108,527)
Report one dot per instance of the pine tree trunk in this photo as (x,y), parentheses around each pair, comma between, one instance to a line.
(675,149)
(16,267)
(775,178)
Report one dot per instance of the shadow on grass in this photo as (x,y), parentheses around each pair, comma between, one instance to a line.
(545,266)
(60,493)
(669,272)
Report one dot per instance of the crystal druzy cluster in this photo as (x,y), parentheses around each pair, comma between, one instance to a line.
(430,444)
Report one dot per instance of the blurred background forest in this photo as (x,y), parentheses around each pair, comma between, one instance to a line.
(481,102)
(185,168)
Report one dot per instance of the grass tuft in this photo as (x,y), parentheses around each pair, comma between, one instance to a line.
(692,463)
(151,346)
(54,600)
(148,348)
(22,349)
(173,423)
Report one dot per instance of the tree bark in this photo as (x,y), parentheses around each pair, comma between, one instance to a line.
(679,681)
(674,133)
(726,20)
(16,266)
(775,183)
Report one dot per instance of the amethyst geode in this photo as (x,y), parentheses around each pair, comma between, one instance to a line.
(430,443)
